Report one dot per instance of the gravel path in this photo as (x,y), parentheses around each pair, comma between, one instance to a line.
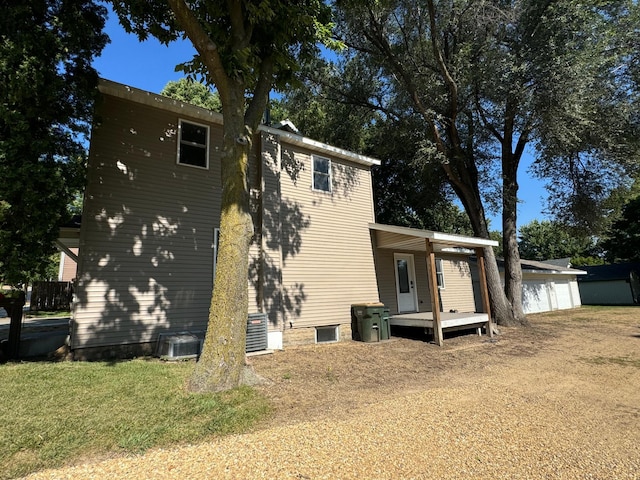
(561,400)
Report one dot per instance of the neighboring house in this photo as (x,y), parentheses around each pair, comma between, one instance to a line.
(547,286)
(617,284)
(148,237)
(68,244)
(68,266)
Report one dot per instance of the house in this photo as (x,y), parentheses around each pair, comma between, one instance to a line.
(616,284)
(546,286)
(67,244)
(148,237)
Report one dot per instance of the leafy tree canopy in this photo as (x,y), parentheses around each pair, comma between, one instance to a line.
(546,240)
(491,78)
(47,90)
(193,92)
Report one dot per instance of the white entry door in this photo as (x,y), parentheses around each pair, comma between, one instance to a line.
(405,282)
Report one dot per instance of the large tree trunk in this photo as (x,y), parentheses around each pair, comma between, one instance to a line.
(463,182)
(510,164)
(512,267)
(223,356)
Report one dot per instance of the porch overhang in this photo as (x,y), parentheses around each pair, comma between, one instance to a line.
(413,239)
(430,242)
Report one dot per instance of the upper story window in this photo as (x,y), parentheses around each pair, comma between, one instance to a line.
(439,273)
(321,174)
(193,144)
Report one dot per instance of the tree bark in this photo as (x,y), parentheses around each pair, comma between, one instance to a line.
(469,195)
(223,356)
(221,363)
(512,267)
(510,164)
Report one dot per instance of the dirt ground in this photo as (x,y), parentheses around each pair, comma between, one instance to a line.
(312,382)
(560,399)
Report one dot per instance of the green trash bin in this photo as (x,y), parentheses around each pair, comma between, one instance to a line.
(385,326)
(367,323)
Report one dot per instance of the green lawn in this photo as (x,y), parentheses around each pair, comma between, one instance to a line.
(54,413)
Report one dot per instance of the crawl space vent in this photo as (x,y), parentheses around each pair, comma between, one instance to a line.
(178,346)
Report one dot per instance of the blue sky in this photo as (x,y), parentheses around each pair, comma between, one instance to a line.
(149,66)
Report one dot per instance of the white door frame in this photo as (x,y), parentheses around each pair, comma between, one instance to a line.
(407,301)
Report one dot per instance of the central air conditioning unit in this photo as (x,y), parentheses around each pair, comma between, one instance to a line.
(257,336)
(179,346)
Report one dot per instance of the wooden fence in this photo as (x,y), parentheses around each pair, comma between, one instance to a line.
(51,296)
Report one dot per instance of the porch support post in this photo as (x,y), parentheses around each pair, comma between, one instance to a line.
(483,288)
(433,290)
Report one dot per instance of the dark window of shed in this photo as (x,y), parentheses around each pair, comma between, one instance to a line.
(193,144)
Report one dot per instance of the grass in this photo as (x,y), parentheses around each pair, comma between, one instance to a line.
(43,314)
(622,361)
(58,413)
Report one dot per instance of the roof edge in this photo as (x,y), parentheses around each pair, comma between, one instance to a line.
(125,92)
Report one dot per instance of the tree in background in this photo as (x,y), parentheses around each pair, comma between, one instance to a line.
(194,93)
(488,78)
(245,49)
(623,238)
(47,92)
(548,240)
(407,190)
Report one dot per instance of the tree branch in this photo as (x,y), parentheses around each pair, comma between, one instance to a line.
(207,49)
(241,35)
(261,93)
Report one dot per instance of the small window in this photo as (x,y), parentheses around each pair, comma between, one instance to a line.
(321,174)
(439,273)
(327,334)
(193,144)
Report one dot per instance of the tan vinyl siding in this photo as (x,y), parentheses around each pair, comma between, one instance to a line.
(147,229)
(327,259)
(271,266)
(386,274)
(458,291)
(422,282)
(255,188)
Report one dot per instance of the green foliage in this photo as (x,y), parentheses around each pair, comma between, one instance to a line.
(47,90)
(623,238)
(582,261)
(194,93)
(60,412)
(586,113)
(268,38)
(547,240)
(490,79)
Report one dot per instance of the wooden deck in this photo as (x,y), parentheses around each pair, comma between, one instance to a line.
(450,321)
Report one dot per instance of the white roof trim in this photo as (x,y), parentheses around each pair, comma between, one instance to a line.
(301,141)
(143,97)
(436,237)
(554,272)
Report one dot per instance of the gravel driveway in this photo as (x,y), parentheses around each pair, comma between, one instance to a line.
(558,400)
